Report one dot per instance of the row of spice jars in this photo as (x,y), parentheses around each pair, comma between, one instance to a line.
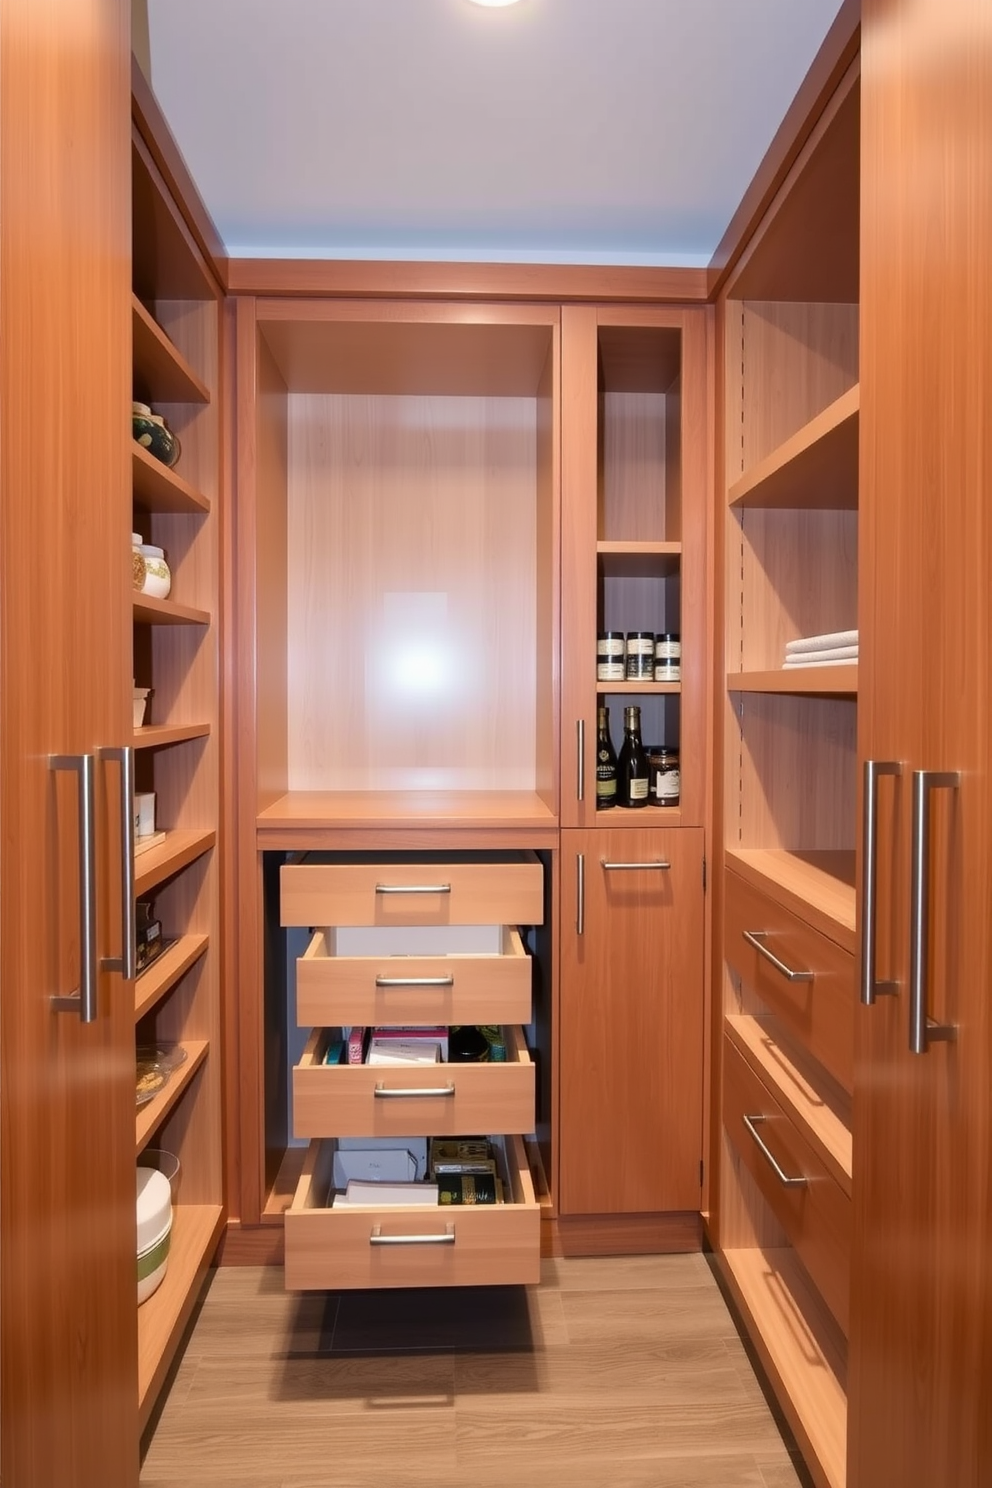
(150,572)
(638,656)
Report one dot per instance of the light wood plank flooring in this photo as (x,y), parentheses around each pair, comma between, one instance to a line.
(613,1373)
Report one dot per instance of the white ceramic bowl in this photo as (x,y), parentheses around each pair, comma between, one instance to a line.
(154,1225)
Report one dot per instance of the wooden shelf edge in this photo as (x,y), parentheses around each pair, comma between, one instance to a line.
(156,735)
(151,1116)
(169,375)
(160,489)
(796,1342)
(817,886)
(287,1180)
(196,1230)
(823,1127)
(816,468)
(815,681)
(165,971)
(179,849)
(149,611)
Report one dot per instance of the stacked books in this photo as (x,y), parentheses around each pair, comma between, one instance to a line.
(838,648)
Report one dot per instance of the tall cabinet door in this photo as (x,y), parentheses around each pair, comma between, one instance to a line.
(68,1371)
(921,1336)
(631,1040)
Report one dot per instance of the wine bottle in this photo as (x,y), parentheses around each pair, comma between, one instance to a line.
(606,763)
(633,772)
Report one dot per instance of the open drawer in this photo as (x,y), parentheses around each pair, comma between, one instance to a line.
(495,888)
(449,974)
(416,1246)
(441,1100)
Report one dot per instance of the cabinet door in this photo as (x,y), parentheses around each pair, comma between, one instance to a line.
(68,1370)
(921,1334)
(631,1033)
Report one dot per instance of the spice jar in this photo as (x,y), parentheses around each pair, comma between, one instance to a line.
(610,653)
(158,578)
(664,780)
(667,658)
(640,655)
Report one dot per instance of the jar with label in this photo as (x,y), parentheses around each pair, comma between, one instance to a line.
(640,655)
(137,561)
(665,783)
(667,658)
(158,577)
(610,653)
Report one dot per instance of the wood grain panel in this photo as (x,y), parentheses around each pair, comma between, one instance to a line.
(68,1358)
(630,1041)
(502,889)
(921,1361)
(412,532)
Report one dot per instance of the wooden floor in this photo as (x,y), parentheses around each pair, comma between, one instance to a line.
(613,1373)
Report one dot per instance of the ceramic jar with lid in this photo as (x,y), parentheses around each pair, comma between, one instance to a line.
(149,430)
(157,579)
(137,561)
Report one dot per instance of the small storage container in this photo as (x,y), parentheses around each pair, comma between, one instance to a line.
(154,1215)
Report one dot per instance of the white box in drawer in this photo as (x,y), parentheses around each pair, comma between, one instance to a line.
(440,1100)
(416,1246)
(434,975)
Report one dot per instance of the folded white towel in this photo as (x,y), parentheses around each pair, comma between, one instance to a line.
(794,663)
(821,642)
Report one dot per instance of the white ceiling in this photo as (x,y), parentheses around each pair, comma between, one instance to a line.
(568,131)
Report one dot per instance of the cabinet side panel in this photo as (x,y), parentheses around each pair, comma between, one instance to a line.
(797,765)
(799,358)
(271,476)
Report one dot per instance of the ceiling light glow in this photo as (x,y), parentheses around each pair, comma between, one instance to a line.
(494,2)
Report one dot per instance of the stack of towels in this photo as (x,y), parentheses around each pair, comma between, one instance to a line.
(839,648)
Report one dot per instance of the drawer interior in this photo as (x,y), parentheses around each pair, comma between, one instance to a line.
(417,940)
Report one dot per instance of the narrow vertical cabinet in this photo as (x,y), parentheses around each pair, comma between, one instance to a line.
(629,1038)
(784,1065)
(175,307)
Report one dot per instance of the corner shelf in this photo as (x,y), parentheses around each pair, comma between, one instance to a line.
(161,372)
(179,849)
(157,735)
(151,1115)
(816,469)
(160,489)
(165,971)
(815,681)
(149,611)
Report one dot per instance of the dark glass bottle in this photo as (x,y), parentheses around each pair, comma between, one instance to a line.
(606,763)
(633,772)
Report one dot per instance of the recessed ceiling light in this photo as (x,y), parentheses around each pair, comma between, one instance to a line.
(494,2)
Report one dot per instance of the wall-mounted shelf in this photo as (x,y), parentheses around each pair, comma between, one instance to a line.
(165,971)
(161,372)
(149,611)
(157,735)
(179,849)
(153,1113)
(816,468)
(814,681)
(159,489)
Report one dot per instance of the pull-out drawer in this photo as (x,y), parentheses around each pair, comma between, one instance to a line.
(810,1206)
(440,1100)
(499,888)
(415,1246)
(806,980)
(372,975)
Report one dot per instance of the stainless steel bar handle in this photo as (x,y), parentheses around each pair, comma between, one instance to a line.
(85,1001)
(580,907)
(377,1238)
(921,1030)
(658,863)
(384,981)
(127,962)
(870,987)
(756,938)
(580,732)
(752,1123)
(413,888)
(444,1091)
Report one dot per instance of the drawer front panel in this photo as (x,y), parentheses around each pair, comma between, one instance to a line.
(388,893)
(817,1215)
(818,1012)
(417,1101)
(474,1245)
(371,990)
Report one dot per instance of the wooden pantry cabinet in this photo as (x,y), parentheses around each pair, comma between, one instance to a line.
(783,1047)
